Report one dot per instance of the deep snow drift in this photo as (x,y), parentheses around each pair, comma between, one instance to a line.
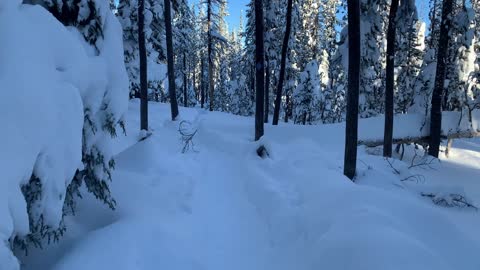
(222,207)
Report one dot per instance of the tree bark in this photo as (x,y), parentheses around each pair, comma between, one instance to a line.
(170,63)
(351,128)
(267,88)
(390,80)
(185,97)
(202,83)
(278,98)
(260,69)
(436,109)
(143,67)
(210,57)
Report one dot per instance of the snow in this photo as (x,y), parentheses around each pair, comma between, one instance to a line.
(223,207)
(42,116)
(49,77)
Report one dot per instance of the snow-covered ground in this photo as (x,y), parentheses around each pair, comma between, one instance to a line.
(222,207)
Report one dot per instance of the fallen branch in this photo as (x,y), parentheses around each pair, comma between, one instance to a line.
(420,140)
(450,200)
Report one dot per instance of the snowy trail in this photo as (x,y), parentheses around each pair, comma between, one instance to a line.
(223,207)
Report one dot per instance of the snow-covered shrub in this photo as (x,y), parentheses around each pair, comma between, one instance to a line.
(63,96)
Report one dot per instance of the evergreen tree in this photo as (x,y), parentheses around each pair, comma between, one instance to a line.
(390,79)
(170,63)
(461,94)
(442,58)
(410,44)
(351,125)
(307,94)
(260,69)
(283,64)
(101,122)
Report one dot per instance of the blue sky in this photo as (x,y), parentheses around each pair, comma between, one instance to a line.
(234,8)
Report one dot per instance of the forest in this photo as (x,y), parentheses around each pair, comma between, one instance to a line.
(313,134)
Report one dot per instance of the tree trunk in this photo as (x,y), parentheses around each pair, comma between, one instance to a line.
(351,128)
(170,64)
(210,56)
(278,98)
(390,80)
(287,107)
(436,110)
(260,69)
(202,83)
(267,88)
(143,67)
(185,97)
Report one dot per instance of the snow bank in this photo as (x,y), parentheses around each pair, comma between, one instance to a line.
(47,79)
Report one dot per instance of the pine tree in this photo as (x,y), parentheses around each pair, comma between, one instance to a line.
(307,94)
(390,79)
(283,64)
(260,69)
(461,94)
(410,44)
(351,126)
(171,69)
(373,58)
(143,67)
(101,122)
(442,56)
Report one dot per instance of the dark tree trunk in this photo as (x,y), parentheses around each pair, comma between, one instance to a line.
(436,110)
(210,56)
(351,128)
(267,88)
(143,67)
(202,83)
(390,77)
(171,74)
(260,69)
(185,97)
(278,98)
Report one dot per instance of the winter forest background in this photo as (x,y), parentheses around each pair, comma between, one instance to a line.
(179,134)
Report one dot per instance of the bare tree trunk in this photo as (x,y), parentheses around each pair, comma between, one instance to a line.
(143,67)
(170,63)
(260,69)
(436,110)
(390,80)
(185,97)
(202,83)
(267,88)
(278,98)
(351,128)
(210,57)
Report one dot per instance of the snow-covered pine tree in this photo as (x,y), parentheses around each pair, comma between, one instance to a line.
(461,92)
(155,41)
(306,95)
(103,116)
(338,80)
(372,67)
(410,46)
(435,18)
(185,50)
(214,37)
(331,105)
